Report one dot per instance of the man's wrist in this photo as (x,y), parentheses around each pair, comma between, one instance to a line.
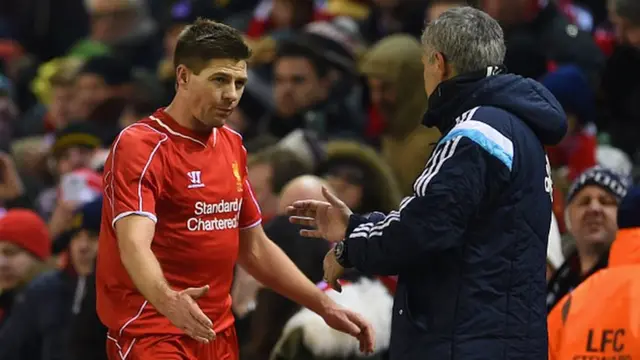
(342,254)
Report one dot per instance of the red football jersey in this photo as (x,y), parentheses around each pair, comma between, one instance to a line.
(194,187)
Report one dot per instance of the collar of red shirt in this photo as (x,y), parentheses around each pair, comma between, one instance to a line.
(180,130)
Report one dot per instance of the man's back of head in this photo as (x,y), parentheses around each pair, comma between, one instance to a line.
(469,39)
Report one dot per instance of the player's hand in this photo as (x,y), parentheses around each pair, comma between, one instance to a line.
(353,324)
(183,311)
(332,271)
(328,219)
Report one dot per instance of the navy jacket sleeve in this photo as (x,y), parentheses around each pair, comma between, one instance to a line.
(450,190)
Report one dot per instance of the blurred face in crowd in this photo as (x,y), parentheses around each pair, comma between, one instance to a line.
(626,32)
(215,91)
(383,96)
(90,91)
(71,159)
(60,108)
(111,19)
(507,12)
(16,264)
(82,250)
(260,176)
(592,217)
(346,191)
(291,13)
(297,85)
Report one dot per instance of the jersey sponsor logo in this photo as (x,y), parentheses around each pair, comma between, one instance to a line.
(236,173)
(202,222)
(195,178)
(604,344)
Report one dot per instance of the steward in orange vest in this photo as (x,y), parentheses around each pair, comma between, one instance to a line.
(600,319)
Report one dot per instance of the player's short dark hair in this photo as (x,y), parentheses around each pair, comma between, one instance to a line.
(294,49)
(205,40)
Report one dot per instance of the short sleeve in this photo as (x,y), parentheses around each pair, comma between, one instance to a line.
(133,173)
(250,214)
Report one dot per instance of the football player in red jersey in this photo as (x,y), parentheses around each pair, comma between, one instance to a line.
(179,213)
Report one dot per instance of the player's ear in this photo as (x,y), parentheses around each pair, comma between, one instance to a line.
(183,76)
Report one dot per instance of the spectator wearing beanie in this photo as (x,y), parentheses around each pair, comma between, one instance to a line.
(590,217)
(614,291)
(25,246)
(40,323)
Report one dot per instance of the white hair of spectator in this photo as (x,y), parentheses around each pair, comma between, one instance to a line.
(628,9)
(468,38)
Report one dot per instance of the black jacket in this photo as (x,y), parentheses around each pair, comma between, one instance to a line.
(470,245)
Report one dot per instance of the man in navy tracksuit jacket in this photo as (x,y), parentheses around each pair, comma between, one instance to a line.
(470,245)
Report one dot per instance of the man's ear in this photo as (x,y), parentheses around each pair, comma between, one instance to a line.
(183,76)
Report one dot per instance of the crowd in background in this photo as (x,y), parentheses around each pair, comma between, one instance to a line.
(336,91)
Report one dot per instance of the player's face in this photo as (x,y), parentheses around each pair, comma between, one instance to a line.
(15,265)
(214,93)
(592,215)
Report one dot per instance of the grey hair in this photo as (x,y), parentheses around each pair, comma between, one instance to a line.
(628,9)
(468,38)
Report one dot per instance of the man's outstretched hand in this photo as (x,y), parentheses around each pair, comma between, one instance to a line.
(353,324)
(328,219)
(183,311)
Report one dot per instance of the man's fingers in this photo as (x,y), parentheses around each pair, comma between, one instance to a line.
(332,199)
(196,293)
(366,336)
(311,233)
(199,316)
(302,220)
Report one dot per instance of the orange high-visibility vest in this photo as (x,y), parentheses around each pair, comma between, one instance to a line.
(600,319)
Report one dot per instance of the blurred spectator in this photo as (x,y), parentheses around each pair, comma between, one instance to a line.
(272,16)
(9,115)
(100,79)
(388,17)
(602,311)
(625,16)
(540,37)
(360,178)
(271,309)
(592,203)
(25,246)
(394,74)
(302,89)
(269,171)
(620,90)
(121,27)
(39,328)
(577,151)
(56,93)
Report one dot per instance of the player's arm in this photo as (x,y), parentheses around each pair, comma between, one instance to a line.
(135,234)
(268,264)
(132,184)
(452,188)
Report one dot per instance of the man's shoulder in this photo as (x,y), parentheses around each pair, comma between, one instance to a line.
(490,121)
(139,135)
(233,136)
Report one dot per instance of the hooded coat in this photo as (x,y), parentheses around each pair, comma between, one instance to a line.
(406,144)
(470,244)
